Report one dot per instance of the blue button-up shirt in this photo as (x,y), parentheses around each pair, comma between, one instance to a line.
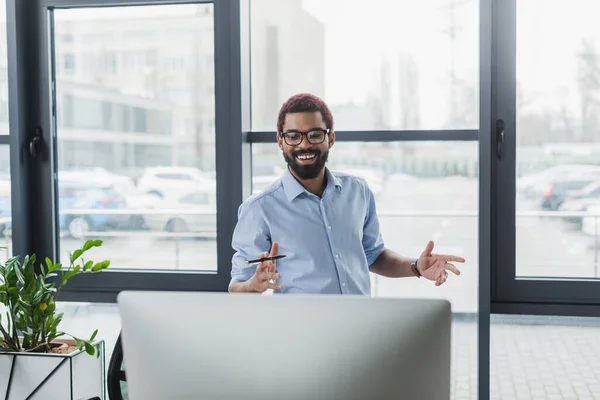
(330,242)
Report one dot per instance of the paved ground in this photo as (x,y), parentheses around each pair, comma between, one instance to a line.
(543,361)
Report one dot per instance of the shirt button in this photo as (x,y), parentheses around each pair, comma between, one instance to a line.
(328,226)
(337,256)
(343,284)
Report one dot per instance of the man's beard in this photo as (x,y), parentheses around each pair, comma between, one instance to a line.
(310,171)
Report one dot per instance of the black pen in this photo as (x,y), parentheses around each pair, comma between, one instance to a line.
(259,260)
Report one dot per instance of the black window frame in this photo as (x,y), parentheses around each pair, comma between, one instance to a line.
(33,162)
(30,31)
(512,293)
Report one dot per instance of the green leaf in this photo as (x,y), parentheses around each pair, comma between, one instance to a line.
(98,243)
(76,269)
(49,263)
(94,335)
(19,273)
(55,267)
(57,320)
(76,255)
(37,298)
(79,342)
(24,303)
(66,276)
(88,245)
(101,265)
(88,265)
(89,349)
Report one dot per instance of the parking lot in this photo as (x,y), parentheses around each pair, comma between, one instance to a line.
(445,210)
(412,211)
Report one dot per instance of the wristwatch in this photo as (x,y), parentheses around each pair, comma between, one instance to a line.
(415,269)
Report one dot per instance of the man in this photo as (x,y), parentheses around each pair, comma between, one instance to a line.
(325,223)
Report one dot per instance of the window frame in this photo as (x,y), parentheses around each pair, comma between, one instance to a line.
(515,294)
(32,105)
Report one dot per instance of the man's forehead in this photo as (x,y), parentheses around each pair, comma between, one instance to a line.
(303,120)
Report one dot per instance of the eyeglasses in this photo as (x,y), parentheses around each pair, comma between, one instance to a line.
(314,136)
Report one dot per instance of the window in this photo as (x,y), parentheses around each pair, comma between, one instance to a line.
(68,64)
(423,191)
(426,77)
(5,206)
(558,139)
(116,197)
(546,247)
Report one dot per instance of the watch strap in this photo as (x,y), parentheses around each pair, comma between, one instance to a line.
(415,269)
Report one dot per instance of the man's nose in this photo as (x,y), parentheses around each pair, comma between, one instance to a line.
(304,144)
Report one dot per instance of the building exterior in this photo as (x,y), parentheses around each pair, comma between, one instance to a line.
(135,86)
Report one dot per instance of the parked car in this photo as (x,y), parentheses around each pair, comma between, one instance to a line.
(580,201)
(194,211)
(559,191)
(77,206)
(74,201)
(166,182)
(537,182)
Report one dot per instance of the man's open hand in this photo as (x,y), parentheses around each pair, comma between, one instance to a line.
(435,267)
(265,272)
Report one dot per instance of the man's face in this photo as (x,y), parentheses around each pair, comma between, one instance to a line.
(306,159)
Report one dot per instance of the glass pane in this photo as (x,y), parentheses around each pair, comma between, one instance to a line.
(558,139)
(135,128)
(5,205)
(423,190)
(385,64)
(539,357)
(3,71)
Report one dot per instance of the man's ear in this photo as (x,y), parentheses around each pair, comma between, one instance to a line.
(331,139)
(279,141)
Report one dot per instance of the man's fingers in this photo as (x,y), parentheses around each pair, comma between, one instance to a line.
(275,286)
(452,268)
(267,276)
(453,258)
(273,276)
(274,249)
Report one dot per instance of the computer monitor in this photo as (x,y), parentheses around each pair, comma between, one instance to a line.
(179,345)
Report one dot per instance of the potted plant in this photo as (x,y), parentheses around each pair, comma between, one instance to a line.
(36,361)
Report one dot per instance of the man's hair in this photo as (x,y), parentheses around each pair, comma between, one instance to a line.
(304,102)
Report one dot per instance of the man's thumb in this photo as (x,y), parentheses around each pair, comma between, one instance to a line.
(428,249)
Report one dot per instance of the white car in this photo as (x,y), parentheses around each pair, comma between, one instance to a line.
(192,212)
(166,182)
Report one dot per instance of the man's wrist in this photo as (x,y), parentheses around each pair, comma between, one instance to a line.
(414,266)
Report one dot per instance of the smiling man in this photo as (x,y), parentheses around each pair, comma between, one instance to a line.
(324,222)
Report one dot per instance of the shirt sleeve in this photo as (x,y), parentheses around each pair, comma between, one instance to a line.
(250,238)
(372,239)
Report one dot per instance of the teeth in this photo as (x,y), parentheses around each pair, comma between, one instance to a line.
(306,156)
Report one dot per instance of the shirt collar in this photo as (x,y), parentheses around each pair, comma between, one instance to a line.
(293,188)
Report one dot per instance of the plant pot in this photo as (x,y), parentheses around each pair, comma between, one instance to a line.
(72,376)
